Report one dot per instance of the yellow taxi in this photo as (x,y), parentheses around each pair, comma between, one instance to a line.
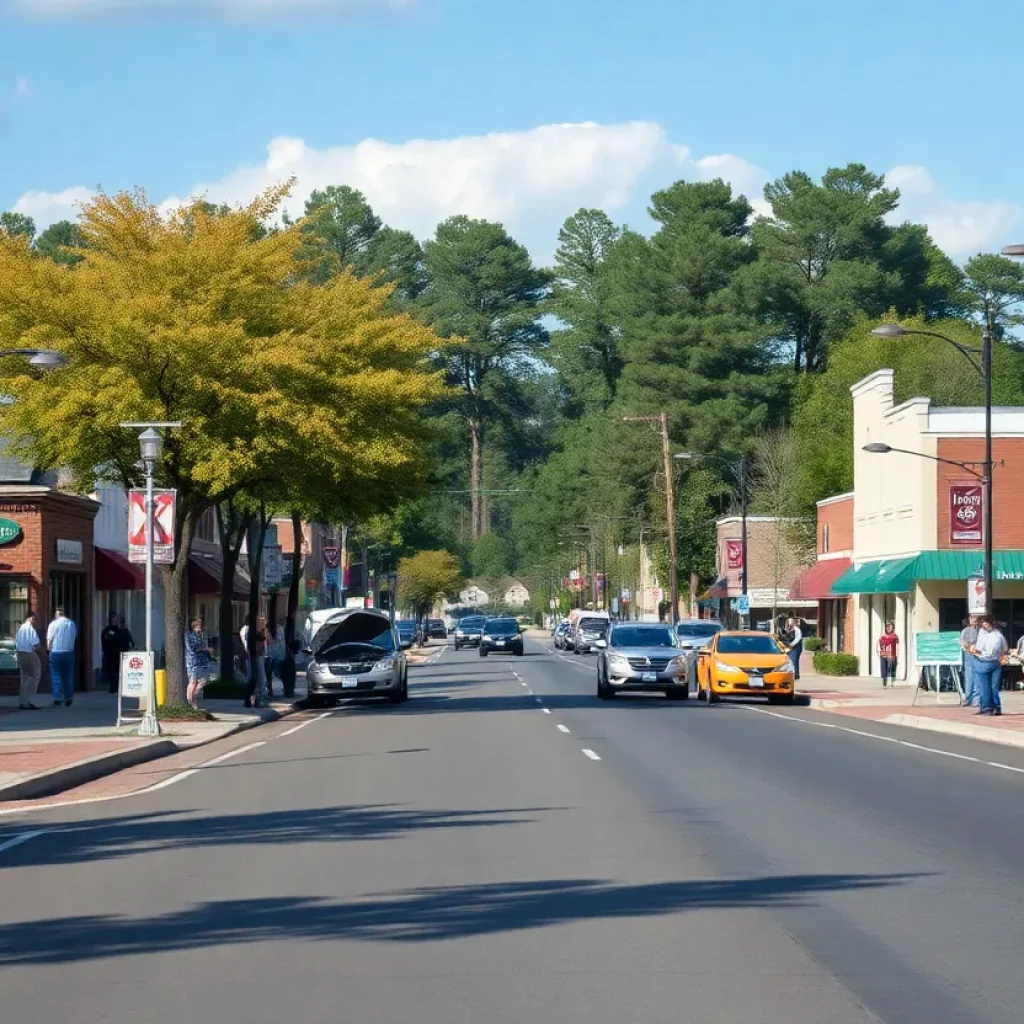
(744,663)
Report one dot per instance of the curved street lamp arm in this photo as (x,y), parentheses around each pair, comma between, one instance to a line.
(967,353)
(965,466)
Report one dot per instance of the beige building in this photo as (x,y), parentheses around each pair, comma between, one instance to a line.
(912,551)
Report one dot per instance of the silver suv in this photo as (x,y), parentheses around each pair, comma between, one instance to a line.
(641,656)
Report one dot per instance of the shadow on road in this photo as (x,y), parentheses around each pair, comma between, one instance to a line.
(414,915)
(111,838)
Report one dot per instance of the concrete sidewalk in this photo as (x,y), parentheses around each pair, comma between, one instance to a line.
(905,704)
(57,748)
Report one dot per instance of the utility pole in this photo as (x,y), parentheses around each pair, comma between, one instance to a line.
(670,505)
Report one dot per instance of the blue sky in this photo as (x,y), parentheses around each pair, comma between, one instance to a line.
(175,94)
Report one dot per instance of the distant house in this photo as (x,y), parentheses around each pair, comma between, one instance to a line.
(479,593)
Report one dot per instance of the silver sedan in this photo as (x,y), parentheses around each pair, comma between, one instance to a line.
(641,657)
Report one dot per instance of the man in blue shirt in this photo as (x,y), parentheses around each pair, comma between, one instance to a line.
(60,641)
(989,650)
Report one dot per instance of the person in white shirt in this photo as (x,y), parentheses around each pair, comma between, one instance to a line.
(26,645)
(60,641)
(989,650)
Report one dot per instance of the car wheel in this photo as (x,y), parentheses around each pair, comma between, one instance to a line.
(678,693)
(403,692)
(781,698)
(604,691)
(315,700)
(518,652)
(456,645)
(713,697)
(483,652)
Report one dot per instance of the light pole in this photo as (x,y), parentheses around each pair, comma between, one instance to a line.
(984,368)
(739,467)
(150,445)
(44,358)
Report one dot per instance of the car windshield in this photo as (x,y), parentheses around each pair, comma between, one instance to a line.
(406,627)
(474,622)
(642,636)
(599,625)
(698,628)
(502,626)
(748,645)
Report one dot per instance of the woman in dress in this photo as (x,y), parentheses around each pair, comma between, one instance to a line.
(198,656)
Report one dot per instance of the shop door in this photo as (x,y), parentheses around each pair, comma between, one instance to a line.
(67,591)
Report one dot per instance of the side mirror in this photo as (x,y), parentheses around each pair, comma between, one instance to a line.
(704,650)
(686,645)
(601,644)
(307,652)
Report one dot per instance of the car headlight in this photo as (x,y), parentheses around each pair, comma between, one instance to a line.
(677,662)
(489,639)
(384,665)
(619,664)
(721,666)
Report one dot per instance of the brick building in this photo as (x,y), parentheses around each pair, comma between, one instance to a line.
(46,561)
(773,562)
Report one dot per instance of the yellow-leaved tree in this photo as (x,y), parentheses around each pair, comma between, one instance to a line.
(308,396)
(426,576)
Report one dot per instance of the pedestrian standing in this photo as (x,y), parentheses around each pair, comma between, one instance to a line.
(125,636)
(61,635)
(989,650)
(796,645)
(26,645)
(888,653)
(968,638)
(110,645)
(198,656)
(257,668)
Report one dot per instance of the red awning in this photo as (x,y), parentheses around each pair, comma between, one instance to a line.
(815,583)
(115,572)
(205,576)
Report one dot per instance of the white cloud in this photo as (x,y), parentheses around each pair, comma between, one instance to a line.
(532,180)
(22,88)
(962,228)
(233,10)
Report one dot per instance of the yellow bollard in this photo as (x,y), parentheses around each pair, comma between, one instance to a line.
(161,687)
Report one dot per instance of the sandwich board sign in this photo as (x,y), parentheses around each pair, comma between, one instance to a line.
(136,682)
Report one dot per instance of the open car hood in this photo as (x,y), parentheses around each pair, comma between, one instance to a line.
(354,626)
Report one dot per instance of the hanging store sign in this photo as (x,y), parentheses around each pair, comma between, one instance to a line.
(977,597)
(69,552)
(966,515)
(9,531)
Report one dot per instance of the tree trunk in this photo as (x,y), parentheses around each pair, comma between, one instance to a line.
(232,527)
(257,534)
(175,581)
(476,432)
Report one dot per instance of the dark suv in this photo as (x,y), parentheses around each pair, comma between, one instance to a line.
(436,629)
(501,636)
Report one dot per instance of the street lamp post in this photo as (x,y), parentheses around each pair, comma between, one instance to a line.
(44,358)
(150,445)
(984,368)
(739,467)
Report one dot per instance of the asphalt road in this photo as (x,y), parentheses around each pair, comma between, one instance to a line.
(504,848)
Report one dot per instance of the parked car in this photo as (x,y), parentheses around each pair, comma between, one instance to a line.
(744,663)
(693,635)
(407,631)
(436,629)
(501,636)
(561,634)
(469,630)
(356,654)
(589,630)
(641,656)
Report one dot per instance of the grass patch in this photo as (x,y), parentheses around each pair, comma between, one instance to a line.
(183,713)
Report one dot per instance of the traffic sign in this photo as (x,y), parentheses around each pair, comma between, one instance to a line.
(743,604)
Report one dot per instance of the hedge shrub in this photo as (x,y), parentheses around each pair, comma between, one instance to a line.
(814,643)
(828,663)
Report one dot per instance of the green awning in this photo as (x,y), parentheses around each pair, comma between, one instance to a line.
(899,575)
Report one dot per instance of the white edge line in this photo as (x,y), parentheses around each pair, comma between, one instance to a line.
(563,728)
(302,725)
(23,838)
(232,753)
(163,784)
(893,739)
(591,754)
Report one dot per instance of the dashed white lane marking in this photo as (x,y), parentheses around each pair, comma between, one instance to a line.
(591,754)
(302,725)
(563,728)
(547,711)
(149,789)
(581,668)
(890,739)
(23,838)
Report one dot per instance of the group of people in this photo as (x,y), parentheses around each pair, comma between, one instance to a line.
(61,635)
(269,641)
(984,654)
(792,635)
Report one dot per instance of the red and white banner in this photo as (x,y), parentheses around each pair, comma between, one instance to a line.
(163,526)
(734,554)
(966,515)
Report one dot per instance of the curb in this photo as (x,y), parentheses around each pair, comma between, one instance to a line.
(90,769)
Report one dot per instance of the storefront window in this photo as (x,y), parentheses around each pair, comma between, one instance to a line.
(13,609)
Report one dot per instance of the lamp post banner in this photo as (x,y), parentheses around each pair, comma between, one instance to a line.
(163,526)
(966,515)
(734,554)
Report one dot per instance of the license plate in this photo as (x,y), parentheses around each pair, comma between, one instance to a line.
(349,682)
(648,677)
(499,643)
(756,681)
